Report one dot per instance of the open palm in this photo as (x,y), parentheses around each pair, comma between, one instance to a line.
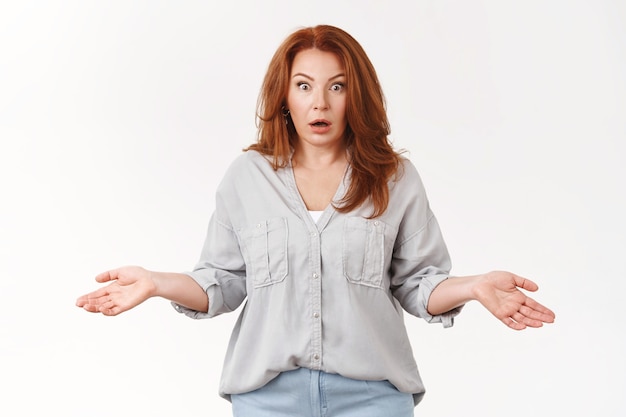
(129,286)
(500,293)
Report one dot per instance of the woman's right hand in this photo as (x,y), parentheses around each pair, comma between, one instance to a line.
(129,286)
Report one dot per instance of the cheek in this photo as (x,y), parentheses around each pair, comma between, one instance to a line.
(297,116)
(295,106)
(342,109)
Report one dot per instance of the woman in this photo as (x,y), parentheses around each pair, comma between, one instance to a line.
(326,230)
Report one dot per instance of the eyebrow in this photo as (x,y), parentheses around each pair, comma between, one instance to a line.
(301,74)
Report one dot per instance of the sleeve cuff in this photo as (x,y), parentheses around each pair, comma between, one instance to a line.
(214,295)
(426,288)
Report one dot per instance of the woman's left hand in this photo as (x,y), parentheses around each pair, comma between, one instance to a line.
(499,292)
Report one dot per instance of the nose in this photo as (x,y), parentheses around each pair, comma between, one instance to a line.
(320,101)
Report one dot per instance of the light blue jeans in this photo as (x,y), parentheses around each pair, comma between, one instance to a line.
(307,393)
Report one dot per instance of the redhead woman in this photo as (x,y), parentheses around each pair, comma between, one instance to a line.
(325,230)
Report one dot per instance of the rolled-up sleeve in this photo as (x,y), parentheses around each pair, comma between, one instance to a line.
(419,264)
(220,272)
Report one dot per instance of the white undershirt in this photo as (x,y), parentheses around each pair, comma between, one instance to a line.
(316,214)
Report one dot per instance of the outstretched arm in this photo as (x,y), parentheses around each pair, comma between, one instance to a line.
(499,292)
(130,286)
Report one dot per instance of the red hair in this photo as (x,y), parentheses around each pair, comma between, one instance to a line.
(372,158)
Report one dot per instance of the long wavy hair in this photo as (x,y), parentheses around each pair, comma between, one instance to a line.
(372,159)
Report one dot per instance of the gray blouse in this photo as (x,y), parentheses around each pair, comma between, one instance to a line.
(325,295)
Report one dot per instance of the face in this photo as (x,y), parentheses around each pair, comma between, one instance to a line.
(317,98)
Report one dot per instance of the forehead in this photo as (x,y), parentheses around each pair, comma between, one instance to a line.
(316,62)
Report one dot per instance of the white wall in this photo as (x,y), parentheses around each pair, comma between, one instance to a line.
(118,118)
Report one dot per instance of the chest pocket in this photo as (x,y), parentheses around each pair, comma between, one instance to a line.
(266,249)
(364,251)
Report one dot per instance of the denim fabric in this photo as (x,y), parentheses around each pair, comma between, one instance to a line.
(310,393)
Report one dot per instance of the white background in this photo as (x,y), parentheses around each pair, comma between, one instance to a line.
(118,118)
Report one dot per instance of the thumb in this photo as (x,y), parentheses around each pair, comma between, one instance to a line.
(525,283)
(106,276)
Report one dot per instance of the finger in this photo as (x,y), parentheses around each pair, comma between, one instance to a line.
(105,303)
(91,308)
(538,311)
(107,276)
(525,283)
(536,315)
(95,295)
(81,301)
(93,305)
(87,298)
(530,322)
(513,324)
(109,308)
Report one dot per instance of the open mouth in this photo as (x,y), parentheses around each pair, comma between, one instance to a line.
(320,123)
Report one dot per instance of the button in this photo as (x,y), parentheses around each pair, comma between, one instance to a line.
(376,223)
(315,276)
(316,357)
(316,315)
(313,234)
(258,225)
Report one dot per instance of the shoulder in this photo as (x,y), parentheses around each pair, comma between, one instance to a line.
(248,161)
(407,174)
(246,172)
(407,188)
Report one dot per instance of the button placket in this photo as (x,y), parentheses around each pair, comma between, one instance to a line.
(316,299)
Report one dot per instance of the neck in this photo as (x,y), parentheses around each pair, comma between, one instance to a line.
(318,158)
